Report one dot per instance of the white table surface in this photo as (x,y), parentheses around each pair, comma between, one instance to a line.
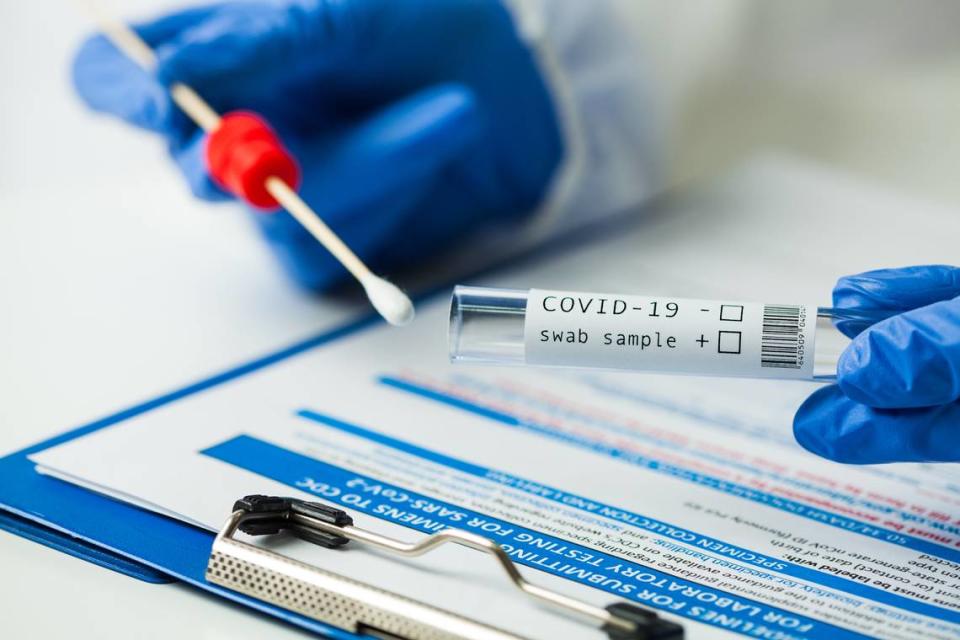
(115,286)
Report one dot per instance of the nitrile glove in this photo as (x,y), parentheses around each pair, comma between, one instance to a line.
(415,121)
(898,382)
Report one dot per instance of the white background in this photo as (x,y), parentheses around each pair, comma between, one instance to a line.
(116,286)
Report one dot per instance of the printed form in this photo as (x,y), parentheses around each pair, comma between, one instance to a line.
(684,494)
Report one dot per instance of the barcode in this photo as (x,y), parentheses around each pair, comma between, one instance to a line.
(781,344)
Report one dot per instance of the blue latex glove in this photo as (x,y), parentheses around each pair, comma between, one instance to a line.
(899,379)
(414,121)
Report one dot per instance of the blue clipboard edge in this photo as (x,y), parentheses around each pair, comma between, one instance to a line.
(60,541)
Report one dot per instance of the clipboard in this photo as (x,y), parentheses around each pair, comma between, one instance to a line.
(132,541)
(157,549)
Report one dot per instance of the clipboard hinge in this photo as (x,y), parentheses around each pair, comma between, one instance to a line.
(355,606)
(268,515)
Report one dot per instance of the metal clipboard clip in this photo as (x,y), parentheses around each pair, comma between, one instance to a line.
(358,607)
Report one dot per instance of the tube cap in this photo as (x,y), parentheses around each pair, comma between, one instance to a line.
(243,152)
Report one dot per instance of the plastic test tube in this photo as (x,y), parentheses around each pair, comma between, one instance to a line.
(648,333)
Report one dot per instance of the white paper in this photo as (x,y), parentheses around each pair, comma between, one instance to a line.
(685,494)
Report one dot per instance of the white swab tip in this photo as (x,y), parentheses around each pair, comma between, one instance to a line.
(389,301)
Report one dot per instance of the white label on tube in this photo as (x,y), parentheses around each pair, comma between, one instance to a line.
(680,335)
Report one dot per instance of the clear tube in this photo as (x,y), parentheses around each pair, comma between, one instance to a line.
(487,326)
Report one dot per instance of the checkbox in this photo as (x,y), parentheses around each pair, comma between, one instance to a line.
(731,312)
(728,342)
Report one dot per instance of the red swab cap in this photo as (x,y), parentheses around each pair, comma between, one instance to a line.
(243,152)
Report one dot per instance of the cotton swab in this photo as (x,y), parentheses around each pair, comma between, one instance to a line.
(389,301)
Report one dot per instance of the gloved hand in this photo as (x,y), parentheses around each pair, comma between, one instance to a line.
(898,382)
(414,121)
